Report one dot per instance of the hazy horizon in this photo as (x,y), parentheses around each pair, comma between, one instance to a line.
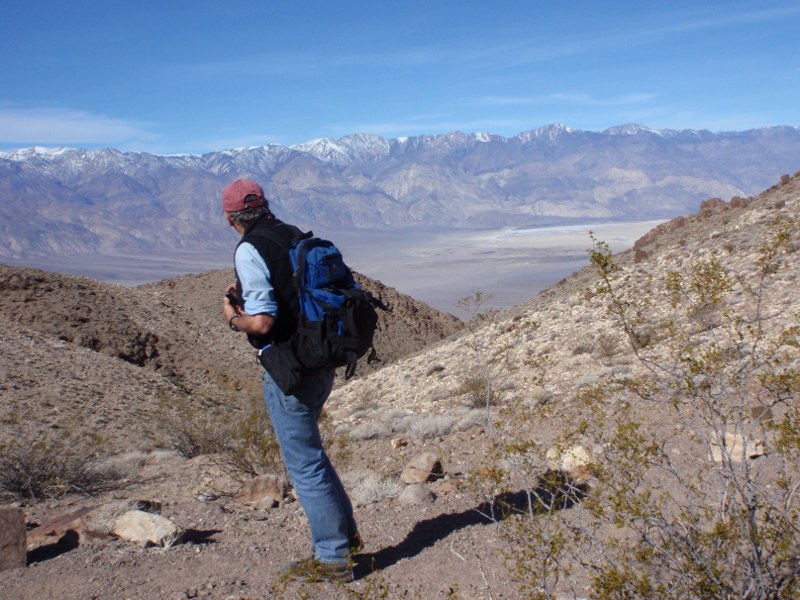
(437,268)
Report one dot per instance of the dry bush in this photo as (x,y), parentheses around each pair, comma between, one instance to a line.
(49,466)
(192,430)
(607,346)
(478,391)
(242,445)
(251,447)
(370,430)
(373,488)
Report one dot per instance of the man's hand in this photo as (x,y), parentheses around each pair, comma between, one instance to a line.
(231,309)
(255,324)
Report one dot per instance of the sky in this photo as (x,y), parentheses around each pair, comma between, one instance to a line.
(177,76)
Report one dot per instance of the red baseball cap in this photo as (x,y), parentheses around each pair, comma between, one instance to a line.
(241,194)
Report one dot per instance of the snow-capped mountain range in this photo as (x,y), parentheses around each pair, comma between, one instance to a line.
(79,201)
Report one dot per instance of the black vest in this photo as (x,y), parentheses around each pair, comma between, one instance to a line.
(280,274)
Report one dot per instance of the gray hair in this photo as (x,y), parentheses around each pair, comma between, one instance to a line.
(248,216)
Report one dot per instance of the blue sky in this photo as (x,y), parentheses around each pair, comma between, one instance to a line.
(175,76)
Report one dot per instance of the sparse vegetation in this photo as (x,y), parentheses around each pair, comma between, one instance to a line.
(478,391)
(703,505)
(242,445)
(192,430)
(49,466)
(251,447)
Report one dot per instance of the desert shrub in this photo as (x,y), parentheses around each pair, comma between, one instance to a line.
(607,346)
(477,391)
(374,488)
(474,307)
(370,430)
(242,444)
(694,491)
(192,430)
(713,513)
(472,418)
(49,466)
(251,447)
(426,426)
(121,466)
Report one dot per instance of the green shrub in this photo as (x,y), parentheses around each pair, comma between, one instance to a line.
(478,391)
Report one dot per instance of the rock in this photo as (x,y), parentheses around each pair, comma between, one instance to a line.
(399,443)
(13,541)
(262,491)
(761,414)
(738,448)
(446,486)
(574,460)
(416,494)
(79,520)
(425,467)
(146,528)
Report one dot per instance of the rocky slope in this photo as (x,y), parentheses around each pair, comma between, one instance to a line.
(114,354)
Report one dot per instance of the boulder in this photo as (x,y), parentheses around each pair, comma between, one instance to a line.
(446,486)
(423,468)
(13,541)
(146,529)
(574,460)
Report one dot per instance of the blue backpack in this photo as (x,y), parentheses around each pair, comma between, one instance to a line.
(337,318)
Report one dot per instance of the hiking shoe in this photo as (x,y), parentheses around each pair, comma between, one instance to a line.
(312,570)
(355,543)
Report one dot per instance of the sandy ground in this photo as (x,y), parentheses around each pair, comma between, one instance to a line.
(511,264)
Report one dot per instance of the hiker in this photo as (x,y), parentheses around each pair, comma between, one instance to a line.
(263,304)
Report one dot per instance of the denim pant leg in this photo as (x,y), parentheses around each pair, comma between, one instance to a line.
(324,500)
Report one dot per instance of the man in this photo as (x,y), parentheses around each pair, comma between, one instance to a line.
(265,307)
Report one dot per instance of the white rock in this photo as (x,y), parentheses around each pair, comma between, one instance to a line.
(146,528)
(738,447)
(570,460)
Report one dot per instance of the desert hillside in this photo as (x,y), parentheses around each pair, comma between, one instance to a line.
(630,432)
(111,357)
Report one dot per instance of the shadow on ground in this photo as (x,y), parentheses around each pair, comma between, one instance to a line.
(555,490)
(71,540)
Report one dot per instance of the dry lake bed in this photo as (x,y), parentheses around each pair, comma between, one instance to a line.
(438,268)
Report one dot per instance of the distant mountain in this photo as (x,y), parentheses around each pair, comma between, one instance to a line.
(69,201)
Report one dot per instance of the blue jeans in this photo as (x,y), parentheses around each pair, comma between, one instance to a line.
(324,500)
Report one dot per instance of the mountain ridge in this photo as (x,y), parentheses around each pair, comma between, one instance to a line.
(146,203)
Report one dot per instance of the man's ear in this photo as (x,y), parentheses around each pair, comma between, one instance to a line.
(230,222)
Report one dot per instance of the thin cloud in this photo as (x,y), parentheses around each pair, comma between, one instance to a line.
(561,98)
(484,55)
(65,126)
(749,17)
